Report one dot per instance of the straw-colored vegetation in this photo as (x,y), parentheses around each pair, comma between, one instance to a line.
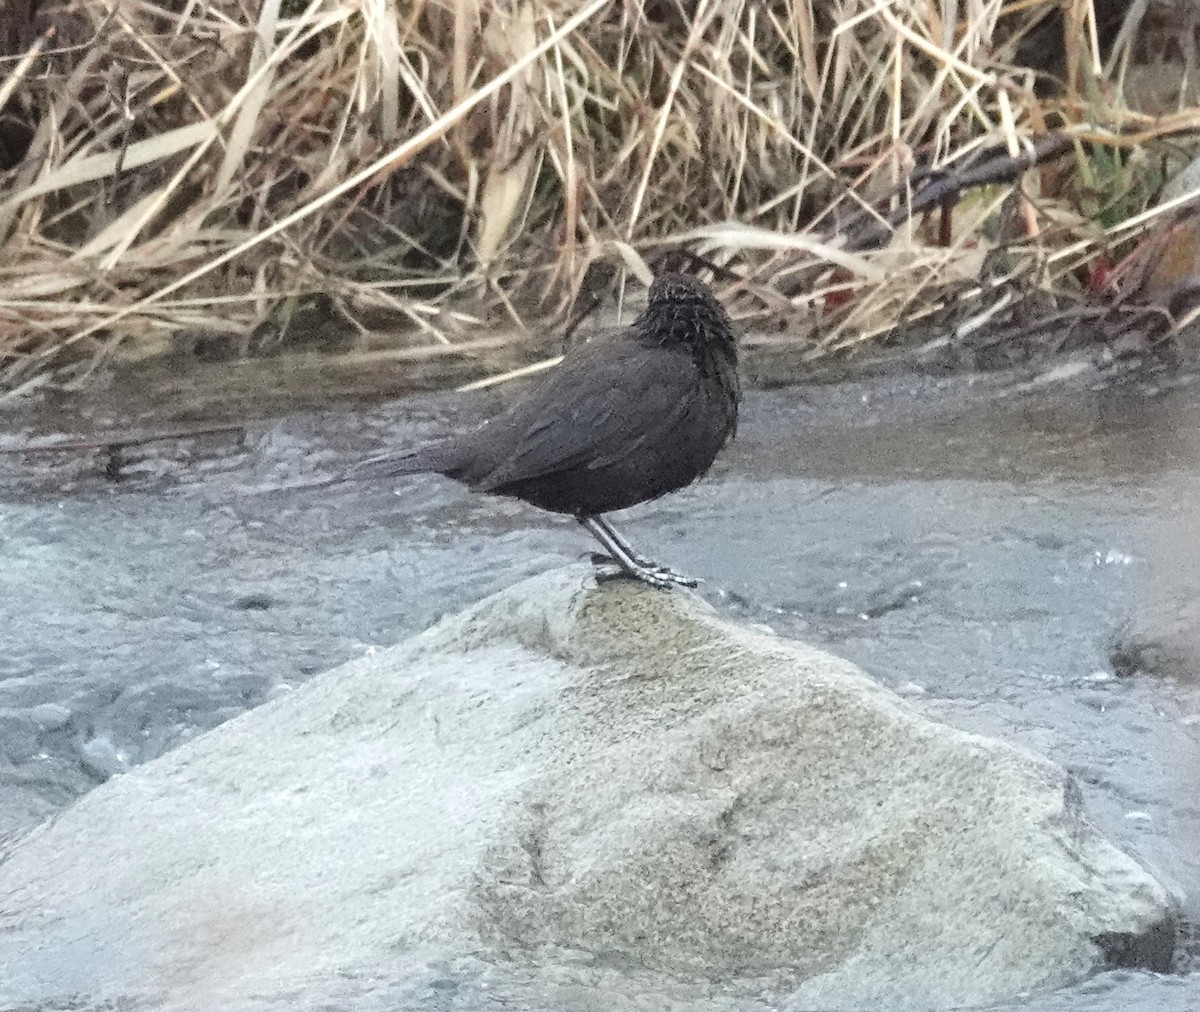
(426,173)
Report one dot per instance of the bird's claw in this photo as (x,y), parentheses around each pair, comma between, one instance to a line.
(641,569)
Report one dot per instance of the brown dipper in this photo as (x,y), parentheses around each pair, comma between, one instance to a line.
(625,418)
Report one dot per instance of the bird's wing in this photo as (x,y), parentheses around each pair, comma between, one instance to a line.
(593,410)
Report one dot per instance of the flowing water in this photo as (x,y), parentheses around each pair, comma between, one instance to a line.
(986,548)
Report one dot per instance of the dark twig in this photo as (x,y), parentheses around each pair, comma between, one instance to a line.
(942,187)
(125,441)
(114,448)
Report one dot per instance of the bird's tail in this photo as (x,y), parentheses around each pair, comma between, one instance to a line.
(434,457)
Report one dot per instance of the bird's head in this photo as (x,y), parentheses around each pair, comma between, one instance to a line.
(674,288)
(683,310)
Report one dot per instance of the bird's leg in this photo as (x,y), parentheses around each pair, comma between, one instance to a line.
(631,562)
(625,546)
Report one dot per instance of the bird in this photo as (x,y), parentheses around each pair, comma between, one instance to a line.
(626,417)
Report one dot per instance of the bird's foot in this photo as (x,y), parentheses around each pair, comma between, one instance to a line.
(639,569)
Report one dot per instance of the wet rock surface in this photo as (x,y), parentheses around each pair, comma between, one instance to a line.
(1161,640)
(614,774)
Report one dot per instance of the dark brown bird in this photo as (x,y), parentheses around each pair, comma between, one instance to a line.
(625,418)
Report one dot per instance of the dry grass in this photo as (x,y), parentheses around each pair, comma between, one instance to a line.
(199,170)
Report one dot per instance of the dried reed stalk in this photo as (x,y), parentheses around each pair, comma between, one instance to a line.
(194,170)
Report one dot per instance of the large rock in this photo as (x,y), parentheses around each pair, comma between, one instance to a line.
(575,797)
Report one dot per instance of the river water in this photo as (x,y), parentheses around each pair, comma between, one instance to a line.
(989,547)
